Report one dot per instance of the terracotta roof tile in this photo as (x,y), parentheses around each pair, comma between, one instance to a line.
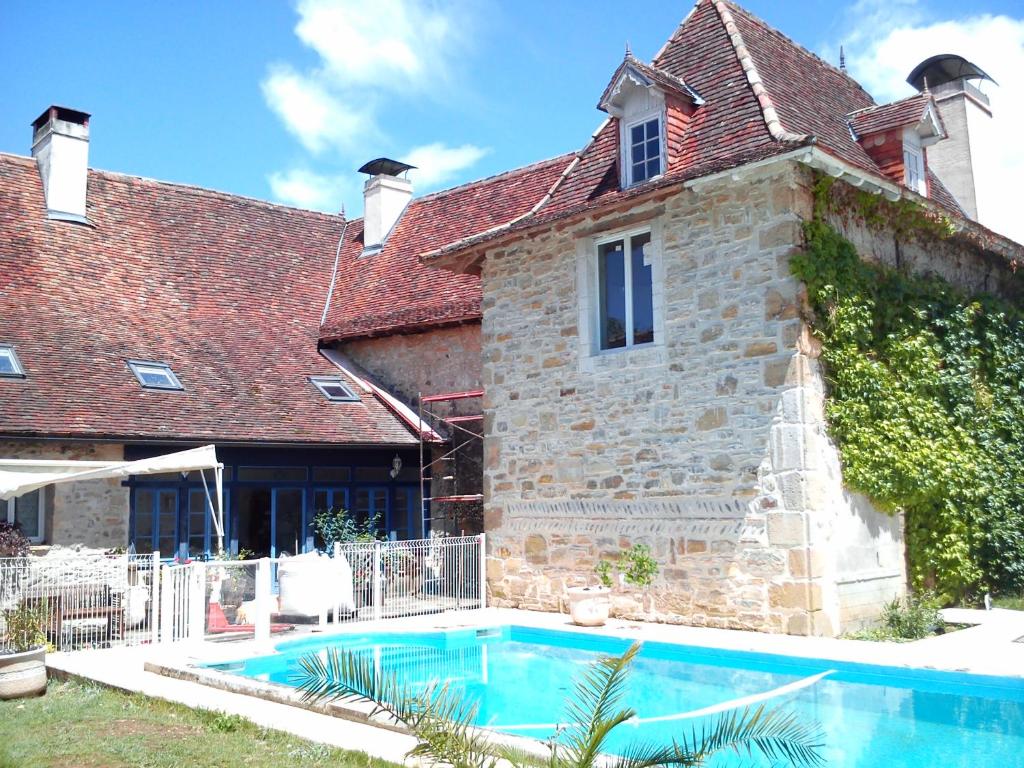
(393,291)
(225,289)
(908,111)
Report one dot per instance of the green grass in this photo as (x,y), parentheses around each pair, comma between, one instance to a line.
(1013,602)
(91,727)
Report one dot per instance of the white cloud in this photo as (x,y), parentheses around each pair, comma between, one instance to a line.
(307,189)
(316,117)
(886,40)
(393,44)
(370,55)
(437,163)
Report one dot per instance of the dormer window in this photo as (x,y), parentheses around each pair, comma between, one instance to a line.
(644,150)
(647,100)
(913,162)
(152,375)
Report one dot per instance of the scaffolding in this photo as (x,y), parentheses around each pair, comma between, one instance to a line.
(457,440)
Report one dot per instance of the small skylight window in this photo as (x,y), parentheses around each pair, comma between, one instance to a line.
(10,365)
(334,388)
(154,375)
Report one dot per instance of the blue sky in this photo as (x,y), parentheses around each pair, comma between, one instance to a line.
(285,100)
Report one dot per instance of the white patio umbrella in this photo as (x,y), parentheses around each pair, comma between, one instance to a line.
(21,476)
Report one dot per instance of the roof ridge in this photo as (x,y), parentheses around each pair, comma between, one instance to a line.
(758,20)
(919,94)
(493,178)
(195,188)
(771,117)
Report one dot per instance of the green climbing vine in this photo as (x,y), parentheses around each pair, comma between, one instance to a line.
(926,402)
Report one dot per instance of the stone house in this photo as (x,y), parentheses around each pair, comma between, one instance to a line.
(648,374)
(628,311)
(139,317)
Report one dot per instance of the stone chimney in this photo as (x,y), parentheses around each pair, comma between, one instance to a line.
(965,161)
(385,196)
(60,146)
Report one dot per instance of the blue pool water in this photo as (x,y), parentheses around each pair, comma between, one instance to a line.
(871,716)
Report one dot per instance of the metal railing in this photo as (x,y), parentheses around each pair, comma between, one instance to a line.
(93,601)
(80,601)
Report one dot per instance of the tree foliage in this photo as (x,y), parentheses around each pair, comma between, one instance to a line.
(926,403)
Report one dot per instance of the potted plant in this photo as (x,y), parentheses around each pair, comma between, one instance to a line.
(636,567)
(589,605)
(23,669)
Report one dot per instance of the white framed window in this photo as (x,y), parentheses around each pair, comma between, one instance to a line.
(153,375)
(913,162)
(27,512)
(624,282)
(10,365)
(643,155)
(333,388)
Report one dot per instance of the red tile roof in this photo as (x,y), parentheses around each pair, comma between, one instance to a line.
(763,95)
(392,291)
(908,111)
(227,290)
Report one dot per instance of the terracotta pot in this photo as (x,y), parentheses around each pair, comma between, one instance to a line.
(23,674)
(588,606)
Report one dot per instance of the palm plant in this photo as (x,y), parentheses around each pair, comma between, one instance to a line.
(442,721)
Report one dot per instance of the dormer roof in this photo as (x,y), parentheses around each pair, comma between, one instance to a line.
(917,111)
(646,76)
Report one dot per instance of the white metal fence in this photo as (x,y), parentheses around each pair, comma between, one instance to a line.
(101,601)
(80,601)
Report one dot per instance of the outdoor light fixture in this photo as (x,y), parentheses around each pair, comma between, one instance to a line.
(396,466)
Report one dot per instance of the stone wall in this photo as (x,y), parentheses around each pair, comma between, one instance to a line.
(709,445)
(94,513)
(435,362)
(442,360)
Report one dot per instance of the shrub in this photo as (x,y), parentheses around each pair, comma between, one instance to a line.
(635,564)
(12,542)
(338,525)
(926,405)
(25,626)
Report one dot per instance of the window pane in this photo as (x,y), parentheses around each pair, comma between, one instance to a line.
(652,128)
(7,364)
(653,167)
(167,538)
(143,514)
(643,298)
(637,134)
(332,474)
(198,520)
(612,295)
(27,514)
(272,474)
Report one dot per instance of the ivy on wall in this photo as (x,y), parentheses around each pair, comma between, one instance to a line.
(926,404)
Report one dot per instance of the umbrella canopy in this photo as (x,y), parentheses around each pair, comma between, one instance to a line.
(21,476)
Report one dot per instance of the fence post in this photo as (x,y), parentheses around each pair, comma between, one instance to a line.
(167,600)
(337,603)
(482,578)
(263,599)
(154,598)
(378,573)
(197,602)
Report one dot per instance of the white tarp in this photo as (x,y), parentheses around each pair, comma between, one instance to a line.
(21,476)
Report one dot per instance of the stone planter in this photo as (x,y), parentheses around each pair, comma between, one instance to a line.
(588,606)
(23,674)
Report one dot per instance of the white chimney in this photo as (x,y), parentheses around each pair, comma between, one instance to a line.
(60,145)
(965,161)
(385,197)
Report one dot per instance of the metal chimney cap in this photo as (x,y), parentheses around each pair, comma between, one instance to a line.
(945,68)
(61,113)
(385,166)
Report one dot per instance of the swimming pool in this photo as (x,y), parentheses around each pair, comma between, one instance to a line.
(871,715)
